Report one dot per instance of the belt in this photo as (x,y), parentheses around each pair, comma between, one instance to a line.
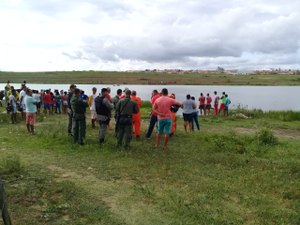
(126,116)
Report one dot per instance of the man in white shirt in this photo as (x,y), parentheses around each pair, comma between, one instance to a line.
(22,102)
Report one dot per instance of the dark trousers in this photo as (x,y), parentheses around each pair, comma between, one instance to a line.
(79,130)
(3,205)
(70,127)
(124,130)
(195,118)
(153,121)
(103,128)
(58,107)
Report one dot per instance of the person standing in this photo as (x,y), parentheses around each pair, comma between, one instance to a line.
(216,103)
(136,117)
(222,105)
(153,118)
(195,116)
(174,110)
(103,109)
(78,107)
(47,102)
(208,104)
(92,106)
(108,95)
(13,106)
(188,107)
(64,98)
(70,112)
(37,97)
(83,96)
(115,101)
(30,107)
(58,101)
(125,109)
(22,102)
(202,104)
(162,108)
(227,103)
(7,88)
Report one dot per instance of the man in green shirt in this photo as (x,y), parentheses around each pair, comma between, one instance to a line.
(115,101)
(78,106)
(124,109)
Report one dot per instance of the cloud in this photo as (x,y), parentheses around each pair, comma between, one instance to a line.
(137,34)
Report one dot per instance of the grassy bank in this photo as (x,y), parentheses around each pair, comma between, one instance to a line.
(98,77)
(234,171)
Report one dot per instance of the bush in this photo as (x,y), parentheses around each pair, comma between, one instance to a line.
(230,142)
(266,137)
(10,166)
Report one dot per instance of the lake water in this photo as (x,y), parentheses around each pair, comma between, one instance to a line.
(252,97)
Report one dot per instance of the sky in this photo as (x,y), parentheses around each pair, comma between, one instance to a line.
(115,35)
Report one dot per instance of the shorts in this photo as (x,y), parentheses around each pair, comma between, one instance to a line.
(202,107)
(208,106)
(222,106)
(30,118)
(164,126)
(188,117)
(46,106)
(13,109)
(93,115)
(226,108)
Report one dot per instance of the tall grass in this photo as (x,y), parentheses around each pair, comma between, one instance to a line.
(286,116)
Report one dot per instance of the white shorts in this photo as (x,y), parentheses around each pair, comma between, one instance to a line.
(93,115)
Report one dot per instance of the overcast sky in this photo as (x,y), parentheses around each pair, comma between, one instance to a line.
(43,35)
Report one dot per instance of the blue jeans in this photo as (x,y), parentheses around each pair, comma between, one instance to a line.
(195,118)
(153,121)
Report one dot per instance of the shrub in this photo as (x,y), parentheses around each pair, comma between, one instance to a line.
(10,166)
(266,137)
(230,142)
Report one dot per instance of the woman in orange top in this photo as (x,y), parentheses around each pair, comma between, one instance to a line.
(136,118)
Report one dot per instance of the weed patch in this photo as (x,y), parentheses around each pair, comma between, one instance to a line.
(10,166)
(266,137)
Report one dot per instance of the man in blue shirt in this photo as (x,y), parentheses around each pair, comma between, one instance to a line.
(227,103)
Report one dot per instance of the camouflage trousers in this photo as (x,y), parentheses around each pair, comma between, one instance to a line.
(124,130)
(79,129)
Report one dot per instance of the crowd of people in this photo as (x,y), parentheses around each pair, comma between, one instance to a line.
(124,107)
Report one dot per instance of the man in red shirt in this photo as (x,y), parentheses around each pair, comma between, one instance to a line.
(208,104)
(202,104)
(47,102)
(162,107)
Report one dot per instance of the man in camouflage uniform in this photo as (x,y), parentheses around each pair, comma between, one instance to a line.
(125,108)
(78,107)
(70,111)
(103,109)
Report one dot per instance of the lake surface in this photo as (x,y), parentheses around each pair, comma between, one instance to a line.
(253,97)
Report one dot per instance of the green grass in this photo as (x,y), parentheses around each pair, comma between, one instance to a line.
(234,171)
(106,77)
